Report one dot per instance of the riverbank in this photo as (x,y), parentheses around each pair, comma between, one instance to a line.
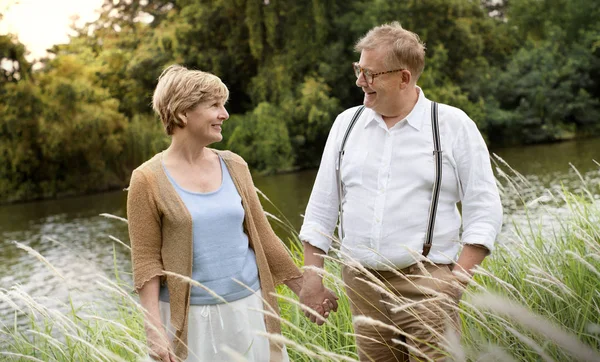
(534,298)
(561,153)
(74,237)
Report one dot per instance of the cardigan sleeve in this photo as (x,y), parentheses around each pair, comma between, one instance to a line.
(280,262)
(144,231)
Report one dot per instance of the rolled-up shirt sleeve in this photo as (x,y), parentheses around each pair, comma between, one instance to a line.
(481,205)
(321,216)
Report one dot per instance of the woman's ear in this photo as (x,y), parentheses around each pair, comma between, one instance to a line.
(183,118)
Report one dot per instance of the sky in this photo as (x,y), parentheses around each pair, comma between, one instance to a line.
(39,24)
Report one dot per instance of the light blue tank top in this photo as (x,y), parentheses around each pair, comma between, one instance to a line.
(221,249)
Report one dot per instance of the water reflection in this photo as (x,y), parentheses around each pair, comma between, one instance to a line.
(74,238)
(71,236)
(551,160)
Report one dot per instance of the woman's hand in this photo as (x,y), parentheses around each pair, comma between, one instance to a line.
(315,296)
(159,346)
(308,296)
(158,343)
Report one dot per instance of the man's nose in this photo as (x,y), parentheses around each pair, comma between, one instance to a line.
(360,81)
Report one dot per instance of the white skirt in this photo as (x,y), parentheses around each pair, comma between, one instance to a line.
(225,332)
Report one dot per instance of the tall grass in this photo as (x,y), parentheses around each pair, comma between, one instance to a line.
(536,298)
(73,333)
(552,272)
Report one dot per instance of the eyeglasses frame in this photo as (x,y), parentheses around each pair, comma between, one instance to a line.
(363,71)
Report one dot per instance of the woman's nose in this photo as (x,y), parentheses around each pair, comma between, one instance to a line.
(224,114)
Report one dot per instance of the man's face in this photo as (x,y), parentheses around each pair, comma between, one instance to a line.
(381,95)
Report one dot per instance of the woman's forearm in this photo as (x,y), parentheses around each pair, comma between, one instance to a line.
(295,285)
(160,348)
(149,300)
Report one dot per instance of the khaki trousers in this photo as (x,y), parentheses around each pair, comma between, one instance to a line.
(418,305)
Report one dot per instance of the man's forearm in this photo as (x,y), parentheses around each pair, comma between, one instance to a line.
(312,257)
(314,295)
(470,257)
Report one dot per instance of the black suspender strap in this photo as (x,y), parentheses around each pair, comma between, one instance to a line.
(435,194)
(338,168)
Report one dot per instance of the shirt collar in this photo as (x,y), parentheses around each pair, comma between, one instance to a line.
(415,117)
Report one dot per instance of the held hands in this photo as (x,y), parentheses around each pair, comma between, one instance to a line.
(318,301)
(159,345)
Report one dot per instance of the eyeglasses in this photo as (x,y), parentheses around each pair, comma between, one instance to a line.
(369,76)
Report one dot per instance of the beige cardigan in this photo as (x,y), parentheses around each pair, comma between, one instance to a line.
(160,231)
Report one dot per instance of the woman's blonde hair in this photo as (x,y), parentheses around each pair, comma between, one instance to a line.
(404,48)
(180,89)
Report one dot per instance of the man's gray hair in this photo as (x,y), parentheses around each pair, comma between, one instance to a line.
(404,48)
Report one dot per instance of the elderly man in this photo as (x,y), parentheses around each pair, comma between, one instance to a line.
(396,169)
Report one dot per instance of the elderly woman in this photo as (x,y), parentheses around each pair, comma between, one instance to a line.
(194,212)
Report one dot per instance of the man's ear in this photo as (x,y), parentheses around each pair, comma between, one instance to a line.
(406,78)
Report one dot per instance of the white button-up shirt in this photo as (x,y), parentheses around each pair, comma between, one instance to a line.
(388,176)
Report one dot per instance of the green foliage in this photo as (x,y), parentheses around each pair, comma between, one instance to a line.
(440,87)
(20,153)
(81,128)
(144,136)
(12,54)
(547,91)
(63,136)
(309,122)
(263,137)
(525,70)
(536,19)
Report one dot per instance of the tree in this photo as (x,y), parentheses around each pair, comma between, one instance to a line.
(547,91)
(287,65)
(262,138)
(20,152)
(12,57)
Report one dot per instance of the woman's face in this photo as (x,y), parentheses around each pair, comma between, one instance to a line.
(204,121)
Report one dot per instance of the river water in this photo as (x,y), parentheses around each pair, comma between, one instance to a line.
(72,236)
